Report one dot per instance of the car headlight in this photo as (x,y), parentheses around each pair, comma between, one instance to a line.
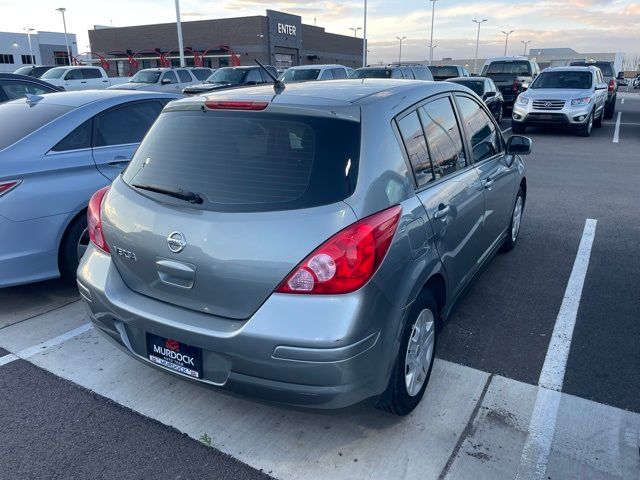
(580,101)
(522,100)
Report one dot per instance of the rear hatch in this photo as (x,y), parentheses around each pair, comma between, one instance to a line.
(271,187)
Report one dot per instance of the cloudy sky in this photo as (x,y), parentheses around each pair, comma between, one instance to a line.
(584,25)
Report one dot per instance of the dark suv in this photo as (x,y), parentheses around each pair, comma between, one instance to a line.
(609,75)
(407,72)
(512,75)
(445,72)
(232,77)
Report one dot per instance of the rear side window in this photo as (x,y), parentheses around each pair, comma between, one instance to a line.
(416,145)
(254,77)
(184,76)
(249,161)
(485,142)
(170,76)
(73,75)
(339,73)
(509,68)
(90,73)
(326,75)
(78,139)
(443,137)
(125,124)
(201,73)
(18,119)
(408,73)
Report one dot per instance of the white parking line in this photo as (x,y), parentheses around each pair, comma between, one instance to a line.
(622,103)
(31,351)
(616,133)
(535,454)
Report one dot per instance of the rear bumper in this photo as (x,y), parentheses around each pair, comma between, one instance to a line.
(279,354)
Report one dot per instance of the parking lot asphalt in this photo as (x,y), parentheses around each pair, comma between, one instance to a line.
(74,393)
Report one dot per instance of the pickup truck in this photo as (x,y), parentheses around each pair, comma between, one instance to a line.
(81,78)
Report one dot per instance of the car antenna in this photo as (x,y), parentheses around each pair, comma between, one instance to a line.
(278,85)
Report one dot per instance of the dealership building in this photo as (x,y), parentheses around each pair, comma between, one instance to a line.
(37,48)
(279,39)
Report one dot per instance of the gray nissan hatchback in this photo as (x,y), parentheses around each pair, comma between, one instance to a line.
(303,247)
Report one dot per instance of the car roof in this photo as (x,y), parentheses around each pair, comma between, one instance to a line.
(335,92)
(572,68)
(517,58)
(79,98)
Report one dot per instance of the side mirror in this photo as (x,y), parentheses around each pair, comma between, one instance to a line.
(489,94)
(165,81)
(518,145)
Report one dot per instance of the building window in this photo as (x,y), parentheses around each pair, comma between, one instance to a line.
(61,58)
(6,58)
(120,68)
(28,60)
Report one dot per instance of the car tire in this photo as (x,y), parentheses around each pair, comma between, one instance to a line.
(517,127)
(597,122)
(413,366)
(74,242)
(586,129)
(515,223)
(610,109)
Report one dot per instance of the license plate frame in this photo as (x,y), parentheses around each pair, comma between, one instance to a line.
(177,357)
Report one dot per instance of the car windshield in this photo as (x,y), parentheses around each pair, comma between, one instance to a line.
(444,72)
(239,161)
(233,76)
(19,119)
(57,72)
(371,73)
(566,79)
(476,85)
(146,76)
(508,68)
(300,75)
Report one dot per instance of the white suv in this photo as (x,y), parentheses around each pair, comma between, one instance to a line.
(160,80)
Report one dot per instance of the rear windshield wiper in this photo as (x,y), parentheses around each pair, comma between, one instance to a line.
(191,197)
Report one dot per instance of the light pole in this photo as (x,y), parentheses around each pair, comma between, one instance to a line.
(506,40)
(400,54)
(355,30)
(475,61)
(29,30)
(364,37)
(525,46)
(66,39)
(431,47)
(179,27)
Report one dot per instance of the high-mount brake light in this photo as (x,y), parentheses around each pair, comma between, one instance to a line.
(235,105)
(7,185)
(94,220)
(346,261)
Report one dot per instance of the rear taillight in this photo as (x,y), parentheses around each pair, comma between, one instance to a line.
(235,105)
(94,220)
(346,261)
(7,185)
(516,85)
(612,85)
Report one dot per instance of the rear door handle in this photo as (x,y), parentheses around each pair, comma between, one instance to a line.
(83,81)
(488,183)
(443,211)
(118,161)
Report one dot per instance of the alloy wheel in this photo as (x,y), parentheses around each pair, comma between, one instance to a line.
(420,352)
(83,244)
(517,218)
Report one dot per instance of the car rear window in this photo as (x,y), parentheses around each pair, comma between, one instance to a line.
(444,72)
(19,119)
(476,85)
(371,73)
(509,68)
(249,161)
